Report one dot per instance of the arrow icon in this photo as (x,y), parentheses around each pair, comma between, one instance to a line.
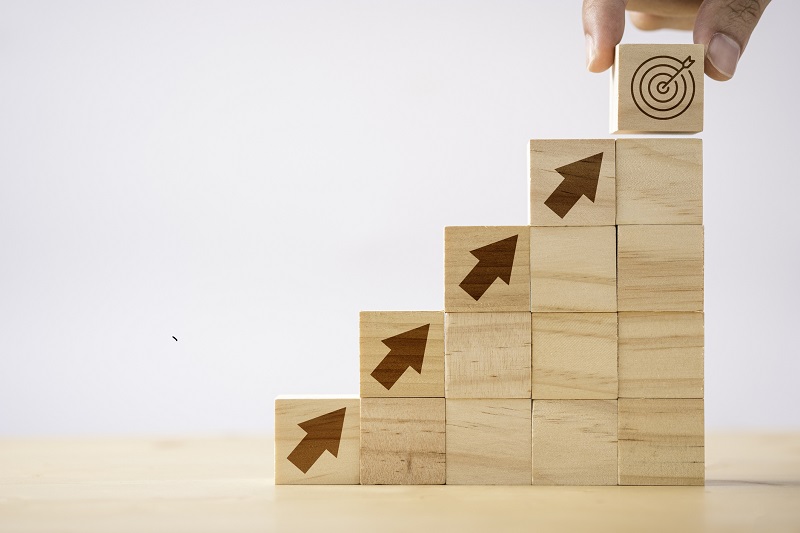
(322,433)
(405,350)
(580,179)
(494,261)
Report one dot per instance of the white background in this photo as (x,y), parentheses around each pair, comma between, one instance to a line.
(247,176)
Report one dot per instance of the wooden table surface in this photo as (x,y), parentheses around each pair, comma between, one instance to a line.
(225,484)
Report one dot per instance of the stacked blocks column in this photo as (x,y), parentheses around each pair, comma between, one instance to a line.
(574,312)
(488,355)
(402,397)
(660,257)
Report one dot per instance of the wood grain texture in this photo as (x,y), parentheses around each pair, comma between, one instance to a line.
(574,356)
(659,181)
(487,355)
(375,327)
(545,156)
(402,441)
(661,442)
(488,442)
(574,442)
(342,469)
(661,355)
(179,484)
(573,269)
(675,110)
(459,262)
(660,268)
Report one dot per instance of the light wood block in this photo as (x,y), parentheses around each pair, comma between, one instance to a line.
(574,269)
(574,356)
(660,268)
(486,268)
(661,442)
(316,440)
(574,442)
(489,442)
(659,181)
(402,354)
(660,355)
(572,182)
(657,88)
(487,355)
(402,441)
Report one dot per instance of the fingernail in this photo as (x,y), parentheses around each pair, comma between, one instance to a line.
(723,52)
(589,50)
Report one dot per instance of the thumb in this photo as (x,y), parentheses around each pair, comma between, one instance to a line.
(724,27)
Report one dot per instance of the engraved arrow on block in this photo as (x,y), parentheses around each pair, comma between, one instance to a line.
(322,433)
(406,350)
(580,179)
(494,261)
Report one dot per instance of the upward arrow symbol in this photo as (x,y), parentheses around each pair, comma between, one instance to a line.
(322,433)
(580,179)
(406,350)
(495,260)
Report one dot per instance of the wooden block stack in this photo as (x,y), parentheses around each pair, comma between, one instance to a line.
(660,294)
(487,355)
(570,351)
(402,398)
(574,305)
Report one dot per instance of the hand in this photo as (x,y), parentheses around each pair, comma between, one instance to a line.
(723,26)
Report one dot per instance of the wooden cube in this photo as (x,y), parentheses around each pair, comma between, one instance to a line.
(660,268)
(402,441)
(660,355)
(572,182)
(574,269)
(574,356)
(486,268)
(316,440)
(661,442)
(487,355)
(574,442)
(657,88)
(659,181)
(488,442)
(402,353)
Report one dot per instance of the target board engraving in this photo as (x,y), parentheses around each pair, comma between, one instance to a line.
(663,87)
(657,88)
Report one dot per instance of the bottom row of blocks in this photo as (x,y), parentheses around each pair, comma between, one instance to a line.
(413,441)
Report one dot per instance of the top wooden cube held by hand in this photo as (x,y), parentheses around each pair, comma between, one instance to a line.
(657,88)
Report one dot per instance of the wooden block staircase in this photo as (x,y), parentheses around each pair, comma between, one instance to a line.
(570,350)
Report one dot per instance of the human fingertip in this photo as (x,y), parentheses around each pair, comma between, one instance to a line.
(723,54)
(591,52)
(597,59)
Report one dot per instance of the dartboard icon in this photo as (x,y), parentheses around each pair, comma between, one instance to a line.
(663,87)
